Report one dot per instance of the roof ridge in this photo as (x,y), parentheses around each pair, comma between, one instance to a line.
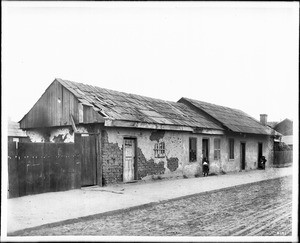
(286,119)
(212,104)
(128,106)
(234,119)
(64,80)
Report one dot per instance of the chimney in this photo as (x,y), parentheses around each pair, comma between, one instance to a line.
(263,119)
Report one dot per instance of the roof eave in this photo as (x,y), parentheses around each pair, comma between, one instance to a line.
(157,126)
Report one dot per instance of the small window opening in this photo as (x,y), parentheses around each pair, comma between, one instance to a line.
(193,149)
(159,150)
(217,149)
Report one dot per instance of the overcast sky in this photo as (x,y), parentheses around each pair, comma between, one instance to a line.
(242,55)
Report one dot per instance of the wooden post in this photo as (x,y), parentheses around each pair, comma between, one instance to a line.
(73,124)
(99,160)
(78,159)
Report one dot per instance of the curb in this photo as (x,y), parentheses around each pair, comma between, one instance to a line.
(123,210)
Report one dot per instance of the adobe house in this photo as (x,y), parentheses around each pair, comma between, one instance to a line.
(244,140)
(129,137)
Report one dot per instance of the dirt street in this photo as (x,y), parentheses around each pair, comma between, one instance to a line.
(263,208)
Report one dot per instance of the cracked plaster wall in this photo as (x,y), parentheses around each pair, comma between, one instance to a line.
(63,134)
(176,145)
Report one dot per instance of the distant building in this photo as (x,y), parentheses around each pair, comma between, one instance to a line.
(15,134)
(284,127)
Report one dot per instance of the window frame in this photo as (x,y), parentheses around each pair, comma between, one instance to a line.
(159,150)
(217,151)
(194,157)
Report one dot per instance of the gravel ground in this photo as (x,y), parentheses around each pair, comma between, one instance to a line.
(263,208)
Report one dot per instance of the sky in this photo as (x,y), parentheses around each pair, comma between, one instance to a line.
(241,55)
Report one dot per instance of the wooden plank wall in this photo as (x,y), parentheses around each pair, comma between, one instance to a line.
(90,116)
(53,109)
(42,167)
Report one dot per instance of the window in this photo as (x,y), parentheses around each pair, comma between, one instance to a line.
(159,150)
(193,149)
(231,148)
(217,149)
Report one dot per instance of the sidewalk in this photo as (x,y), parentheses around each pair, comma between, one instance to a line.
(35,210)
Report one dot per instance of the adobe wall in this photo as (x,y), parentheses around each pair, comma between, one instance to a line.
(176,144)
(251,142)
(56,135)
(177,151)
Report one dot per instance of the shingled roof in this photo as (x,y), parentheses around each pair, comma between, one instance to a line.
(272,124)
(14,130)
(234,119)
(130,107)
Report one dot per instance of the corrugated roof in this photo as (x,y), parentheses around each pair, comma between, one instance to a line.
(14,130)
(130,107)
(234,119)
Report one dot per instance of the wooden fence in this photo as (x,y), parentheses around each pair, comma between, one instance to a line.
(283,158)
(42,167)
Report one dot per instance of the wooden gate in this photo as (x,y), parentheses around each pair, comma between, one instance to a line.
(42,167)
(89,147)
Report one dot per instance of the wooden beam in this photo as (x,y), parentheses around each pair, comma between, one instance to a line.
(116,123)
(80,113)
(73,124)
(209,131)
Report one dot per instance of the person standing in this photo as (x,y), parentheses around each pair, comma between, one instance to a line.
(205,166)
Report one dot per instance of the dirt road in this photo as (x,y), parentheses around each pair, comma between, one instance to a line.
(262,208)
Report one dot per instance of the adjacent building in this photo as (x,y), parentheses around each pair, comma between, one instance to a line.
(15,134)
(285,128)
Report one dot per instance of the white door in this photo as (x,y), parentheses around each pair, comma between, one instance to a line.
(128,161)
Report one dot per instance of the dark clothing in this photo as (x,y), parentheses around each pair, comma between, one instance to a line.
(205,167)
(262,162)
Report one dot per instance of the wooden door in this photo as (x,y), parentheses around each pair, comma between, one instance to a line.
(88,143)
(243,156)
(129,160)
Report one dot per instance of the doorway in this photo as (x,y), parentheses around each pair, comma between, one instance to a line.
(129,164)
(243,156)
(259,154)
(205,148)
